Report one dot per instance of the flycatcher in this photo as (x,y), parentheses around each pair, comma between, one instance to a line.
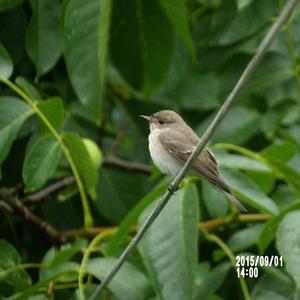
(172,141)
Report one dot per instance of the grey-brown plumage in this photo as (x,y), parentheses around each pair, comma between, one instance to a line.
(172,141)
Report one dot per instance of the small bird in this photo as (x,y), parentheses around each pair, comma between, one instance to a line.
(172,141)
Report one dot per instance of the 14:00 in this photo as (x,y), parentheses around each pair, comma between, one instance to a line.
(251,272)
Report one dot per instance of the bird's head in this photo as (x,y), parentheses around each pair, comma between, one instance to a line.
(163,119)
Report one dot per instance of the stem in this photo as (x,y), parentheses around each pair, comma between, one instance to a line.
(127,165)
(246,75)
(228,219)
(88,221)
(47,191)
(257,157)
(13,269)
(92,247)
(230,254)
(62,286)
(293,55)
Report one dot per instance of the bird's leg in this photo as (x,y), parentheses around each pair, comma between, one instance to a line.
(172,189)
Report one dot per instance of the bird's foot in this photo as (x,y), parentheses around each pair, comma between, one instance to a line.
(173,189)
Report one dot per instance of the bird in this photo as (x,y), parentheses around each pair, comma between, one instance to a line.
(172,141)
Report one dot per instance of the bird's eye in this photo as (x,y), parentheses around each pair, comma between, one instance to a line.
(161,122)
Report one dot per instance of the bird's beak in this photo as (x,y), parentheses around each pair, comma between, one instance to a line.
(148,118)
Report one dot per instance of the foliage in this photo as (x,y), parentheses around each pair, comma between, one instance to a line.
(75,71)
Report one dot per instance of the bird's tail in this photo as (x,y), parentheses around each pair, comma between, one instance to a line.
(236,202)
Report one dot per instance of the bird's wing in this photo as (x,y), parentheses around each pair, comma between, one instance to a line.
(178,142)
(181,144)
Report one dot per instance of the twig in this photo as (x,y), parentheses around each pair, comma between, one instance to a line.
(213,238)
(46,192)
(226,220)
(86,255)
(127,165)
(251,67)
(117,141)
(36,220)
(90,232)
(111,161)
(71,234)
(209,225)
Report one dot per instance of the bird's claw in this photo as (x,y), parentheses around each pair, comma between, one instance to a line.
(172,189)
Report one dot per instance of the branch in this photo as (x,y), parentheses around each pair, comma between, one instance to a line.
(127,165)
(47,191)
(69,235)
(109,161)
(209,225)
(19,207)
(226,220)
(213,238)
(251,67)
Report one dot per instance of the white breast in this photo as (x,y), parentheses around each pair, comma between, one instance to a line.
(161,158)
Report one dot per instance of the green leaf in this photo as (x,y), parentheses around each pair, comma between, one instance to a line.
(238,126)
(279,92)
(43,37)
(265,180)
(28,87)
(257,171)
(56,274)
(293,134)
(179,16)
(40,162)
(197,91)
(245,238)
(6,64)
(244,23)
(103,39)
(53,109)
(267,76)
(86,49)
(129,282)
(269,232)
(9,4)
(279,153)
(292,174)
(9,255)
(215,200)
(10,258)
(142,42)
(212,281)
(242,4)
(13,113)
(55,257)
(132,217)
(169,248)
(82,160)
(275,284)
(118,192)
(249,191)
(291,116)
(235,161)
(203,269)
(284,196)
(284,157)
(287,243)
(270,123)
